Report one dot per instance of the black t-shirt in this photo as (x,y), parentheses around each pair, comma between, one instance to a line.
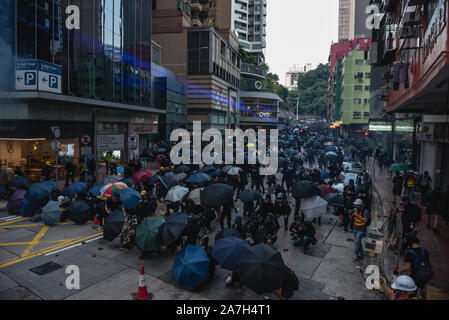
(411,258)
(397,181)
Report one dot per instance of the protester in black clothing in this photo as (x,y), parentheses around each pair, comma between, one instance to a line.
(266,207)
(434,208)
(70,169)
(270,228)
(226,213)
(282,208)
(46,171)
(398,181)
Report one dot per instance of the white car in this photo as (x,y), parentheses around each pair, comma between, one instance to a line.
(352,166)
(343,180)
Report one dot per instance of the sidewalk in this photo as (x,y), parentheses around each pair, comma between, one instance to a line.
(436,244)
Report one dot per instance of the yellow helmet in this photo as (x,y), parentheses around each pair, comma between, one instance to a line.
(143,193)
(162,168)
(47,163)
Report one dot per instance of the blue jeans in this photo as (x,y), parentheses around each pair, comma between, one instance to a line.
(304,242)
(358,250)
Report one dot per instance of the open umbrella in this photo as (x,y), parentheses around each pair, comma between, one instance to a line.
(129,197)
(14,201)
(207,169)
(113,224)
(282,162)
(96,190)
(191,267)
(129,182)
(324,175)
(109,189)
(198,177)
(234,171)
(142,175)
(17,182)
(325,189)
(398,167)
(330,156)
(176,194)
(153,180)
(249,195)
(314,207)
(180,176)
(227,233)
(217,194)
(168,182)
(75,188)
(161,150)
(305,189)
(227,251)
(3,191)
(331,149)
(290,152)
(225,169)
(195,195)
(112,179)
(170,174)
(215,173)
(39,190)
(51,213)
(173,227)
(160,157)
(182,169)
(146,234)
(261,268)
(335,200)
(29,208)
(79,212)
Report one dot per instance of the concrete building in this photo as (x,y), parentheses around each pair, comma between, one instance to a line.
(352,19)
(291,77)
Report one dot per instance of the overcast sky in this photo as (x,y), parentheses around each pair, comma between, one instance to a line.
(299,32)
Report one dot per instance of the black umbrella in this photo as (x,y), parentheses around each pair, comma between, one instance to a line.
(335,200)
(152,180)
(113,224)
(168,182)
(249,195)
(3,191)
(283,161)
(182,169)
(330,156)
(227,233)
(216,195)
(79,212)
(129,182)
(17,182)
(261,268)
(172,229)
(161,150)
(207,169)
(305,189)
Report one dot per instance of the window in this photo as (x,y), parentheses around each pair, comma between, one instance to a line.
(365,101)
(357,101)
(156,55)
(357,115)
(358,88)
(366,114)
(358,75)
(368,75)
(358,61)
(367,88)
(223,49)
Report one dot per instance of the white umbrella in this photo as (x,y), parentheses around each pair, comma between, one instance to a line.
(195,195)
(234,171)
(314,207)
(176,193)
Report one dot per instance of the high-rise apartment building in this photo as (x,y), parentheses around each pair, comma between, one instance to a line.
(291,77)
(352,18)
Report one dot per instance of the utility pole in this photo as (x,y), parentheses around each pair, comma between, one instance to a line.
(297,108)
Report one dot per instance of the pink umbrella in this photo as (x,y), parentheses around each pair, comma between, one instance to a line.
(325,189)
(160,157)
(142,175)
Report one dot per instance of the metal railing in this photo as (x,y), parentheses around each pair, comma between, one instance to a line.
(253,69)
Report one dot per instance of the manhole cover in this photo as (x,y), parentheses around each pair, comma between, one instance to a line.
(46,268)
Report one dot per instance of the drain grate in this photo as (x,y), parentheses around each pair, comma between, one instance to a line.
(46,268)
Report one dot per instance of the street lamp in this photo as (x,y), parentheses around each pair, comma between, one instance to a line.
(297,108)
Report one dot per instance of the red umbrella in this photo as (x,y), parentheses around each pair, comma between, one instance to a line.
(142,175)
(325,189)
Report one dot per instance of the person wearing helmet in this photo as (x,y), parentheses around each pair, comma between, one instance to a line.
(361,217)
(404,288)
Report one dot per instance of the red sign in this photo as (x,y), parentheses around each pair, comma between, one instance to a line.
(85,140)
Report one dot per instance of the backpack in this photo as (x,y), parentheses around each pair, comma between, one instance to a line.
(290,284)
(422,270)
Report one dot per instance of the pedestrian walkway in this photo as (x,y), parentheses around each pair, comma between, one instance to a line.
(436,244)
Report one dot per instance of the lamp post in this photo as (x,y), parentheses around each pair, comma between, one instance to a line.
(297,108)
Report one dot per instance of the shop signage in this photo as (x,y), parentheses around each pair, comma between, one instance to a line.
(26,75)
(145,129)
(403,126)
(49,77)
(32,75)
(110,142)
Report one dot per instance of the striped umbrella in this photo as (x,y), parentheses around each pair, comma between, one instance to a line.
(108,190)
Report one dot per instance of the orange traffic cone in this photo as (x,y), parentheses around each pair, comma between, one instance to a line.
(142,292)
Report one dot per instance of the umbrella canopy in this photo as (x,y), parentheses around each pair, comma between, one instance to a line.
(75,188)
(15,201)
(207,169)
(109,189)
(129,198)
(170,174)
(173,227)
(398,167)
(215,173)
(39,190)
(79,212)
(225,169)
(153,180)
(146,234)
(168,182)
(227,251)
(331,149)
(29,208)
(249,195)
(182,169)
(330,156)
(195,195)
(160,157)
(330,143)
(176,194)
(3,191)
(142,175)
(290,152)
(112,179)
(217,194)
(129,182)
(335,200)
(161,150)
(96,190)
(17,182)
(191,267)
(261,268)
(282,162)
(234,171)
(305,189)
(325,189)
(51,213)
(324,175)
(113,224)
(198,177)
(314,207)
(180,176)
(227,233)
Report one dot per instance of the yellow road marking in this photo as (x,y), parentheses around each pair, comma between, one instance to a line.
(35,241)
(47,250)
(13,221)
(20,225)
(29,242)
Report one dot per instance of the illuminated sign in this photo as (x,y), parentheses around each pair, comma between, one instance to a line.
(381,126)
(265,114)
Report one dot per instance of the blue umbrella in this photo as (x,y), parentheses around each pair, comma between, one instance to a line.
(325,175)
(29,209)
(75,188)
(96,190)
(216,173)
(227,251)
(39,190)
(291,137)
(198,177)
(191,267)
(331,148)
(129,197)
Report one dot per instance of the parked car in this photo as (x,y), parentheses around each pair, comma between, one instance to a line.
(353,166)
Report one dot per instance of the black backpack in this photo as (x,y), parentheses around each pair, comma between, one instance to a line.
(290,284)
(422,268)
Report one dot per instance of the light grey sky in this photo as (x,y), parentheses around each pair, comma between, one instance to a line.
(299,32)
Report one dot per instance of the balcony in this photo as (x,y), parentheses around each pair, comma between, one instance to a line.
(253,70)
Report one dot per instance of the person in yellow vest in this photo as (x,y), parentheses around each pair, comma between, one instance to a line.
(361,217)
(410,184)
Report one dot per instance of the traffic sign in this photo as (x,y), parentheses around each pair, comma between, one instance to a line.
(86,151)
(26,75)
(55,145)
(49,77)
(56,132)
(85,140)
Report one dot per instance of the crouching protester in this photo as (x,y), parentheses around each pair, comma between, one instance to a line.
(128,234)
(404,288)
(303,232)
